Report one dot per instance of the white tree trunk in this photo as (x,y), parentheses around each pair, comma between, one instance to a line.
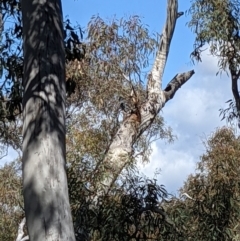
(120,150)
(45,187)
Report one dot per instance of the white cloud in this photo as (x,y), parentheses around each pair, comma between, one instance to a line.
(193,114)
(174,166)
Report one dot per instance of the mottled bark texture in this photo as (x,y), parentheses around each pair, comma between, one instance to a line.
(120,151)
(45,187)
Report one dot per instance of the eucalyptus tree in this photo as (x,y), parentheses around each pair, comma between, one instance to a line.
(216,24)
(10,73)
(142,113)
(11,201)
(208,207)
(45,188)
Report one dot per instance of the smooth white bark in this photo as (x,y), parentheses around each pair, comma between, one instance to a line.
(45,187)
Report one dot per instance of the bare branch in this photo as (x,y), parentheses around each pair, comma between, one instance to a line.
(177,83)
(186,195)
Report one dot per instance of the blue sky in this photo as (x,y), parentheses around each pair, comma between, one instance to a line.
(193,113)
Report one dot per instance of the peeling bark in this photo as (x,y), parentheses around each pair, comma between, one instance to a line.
(121,149)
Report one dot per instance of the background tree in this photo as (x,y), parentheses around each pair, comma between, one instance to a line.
(209,205)
(11,201)
(216,23)
(105,91)
(11,73)
(142,113)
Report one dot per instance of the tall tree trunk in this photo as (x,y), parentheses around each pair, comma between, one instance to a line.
(45,187)
(120,151)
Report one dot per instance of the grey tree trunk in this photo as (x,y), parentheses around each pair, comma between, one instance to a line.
(121,149)
(45,187)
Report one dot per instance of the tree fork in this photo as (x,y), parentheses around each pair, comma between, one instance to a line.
(120,151)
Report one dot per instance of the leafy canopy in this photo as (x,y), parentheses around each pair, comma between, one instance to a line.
(216,23)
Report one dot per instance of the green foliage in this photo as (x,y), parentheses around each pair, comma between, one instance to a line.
(87,145)
(132,211)
(101,80)
(100,70)
(217,24)
(212,212)
(11,68)
(124,43)
(140,209)
(116,53)
(11,201)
